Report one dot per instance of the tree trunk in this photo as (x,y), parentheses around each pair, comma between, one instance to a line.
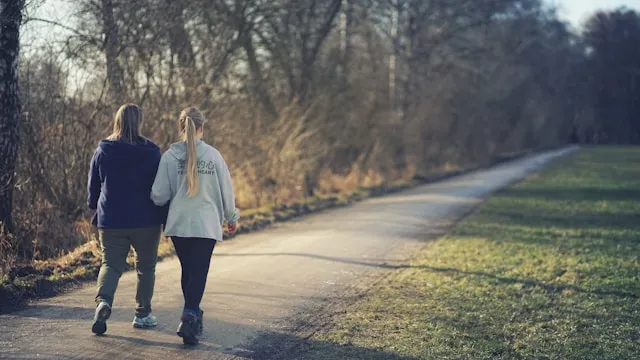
(10,108)
(259,87)
(309,48)
(395,14)
(180,44)
(344,38)
(115,74)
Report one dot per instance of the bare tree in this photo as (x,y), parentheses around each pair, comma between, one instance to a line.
(294,36)
(180,41)
(615,73)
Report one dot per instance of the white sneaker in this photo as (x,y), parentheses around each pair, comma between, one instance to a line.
(146,322)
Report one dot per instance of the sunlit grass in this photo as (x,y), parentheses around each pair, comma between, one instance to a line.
(548,269)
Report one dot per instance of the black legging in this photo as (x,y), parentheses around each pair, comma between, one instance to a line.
(195,256)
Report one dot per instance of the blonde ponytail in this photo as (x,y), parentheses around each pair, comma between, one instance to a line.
(191,120)
(193,181)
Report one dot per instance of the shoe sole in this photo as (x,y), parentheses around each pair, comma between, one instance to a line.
(138,326)
(100,324)
(187,334)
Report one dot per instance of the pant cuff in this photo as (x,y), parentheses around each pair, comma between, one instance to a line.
(100,299)
(143,312)
(192,311)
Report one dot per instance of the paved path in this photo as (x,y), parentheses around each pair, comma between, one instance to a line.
(257,280)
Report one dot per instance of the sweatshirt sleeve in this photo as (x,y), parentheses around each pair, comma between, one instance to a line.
(231,213)
(161,189)
(94,184)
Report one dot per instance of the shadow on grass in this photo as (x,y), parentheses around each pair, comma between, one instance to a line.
(584,220)
(574,239)
(600,218)
(551,288)
(573,194)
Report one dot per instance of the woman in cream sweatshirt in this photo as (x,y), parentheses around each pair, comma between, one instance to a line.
(195,180)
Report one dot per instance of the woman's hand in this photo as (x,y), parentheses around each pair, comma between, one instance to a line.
(232,228)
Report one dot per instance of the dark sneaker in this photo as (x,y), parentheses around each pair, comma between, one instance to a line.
(199,323)
(103,311)
(188,328)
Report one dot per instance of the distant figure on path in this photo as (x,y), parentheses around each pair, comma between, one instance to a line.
(194,178)
(122,172)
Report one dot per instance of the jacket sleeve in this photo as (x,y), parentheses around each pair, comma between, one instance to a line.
(161,189)
(94,184)
(163,211)
(231,213)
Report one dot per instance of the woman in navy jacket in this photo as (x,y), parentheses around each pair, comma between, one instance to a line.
(122,172)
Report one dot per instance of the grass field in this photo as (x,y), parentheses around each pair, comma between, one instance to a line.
(548,269)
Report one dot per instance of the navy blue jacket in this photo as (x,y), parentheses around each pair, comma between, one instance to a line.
(120,180)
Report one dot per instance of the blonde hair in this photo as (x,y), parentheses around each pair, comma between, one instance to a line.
(190,121)
(126,124)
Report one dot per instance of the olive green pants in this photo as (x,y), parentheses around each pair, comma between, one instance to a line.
(115,245)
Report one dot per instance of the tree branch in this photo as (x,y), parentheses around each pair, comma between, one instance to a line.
(90,39)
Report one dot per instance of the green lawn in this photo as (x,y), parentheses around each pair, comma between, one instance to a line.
(548,269)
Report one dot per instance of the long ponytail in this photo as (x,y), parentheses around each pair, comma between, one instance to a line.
(193,181)
(191,119)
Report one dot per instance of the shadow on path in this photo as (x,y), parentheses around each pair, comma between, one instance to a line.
(161,343)
(277,346)
(387,264)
